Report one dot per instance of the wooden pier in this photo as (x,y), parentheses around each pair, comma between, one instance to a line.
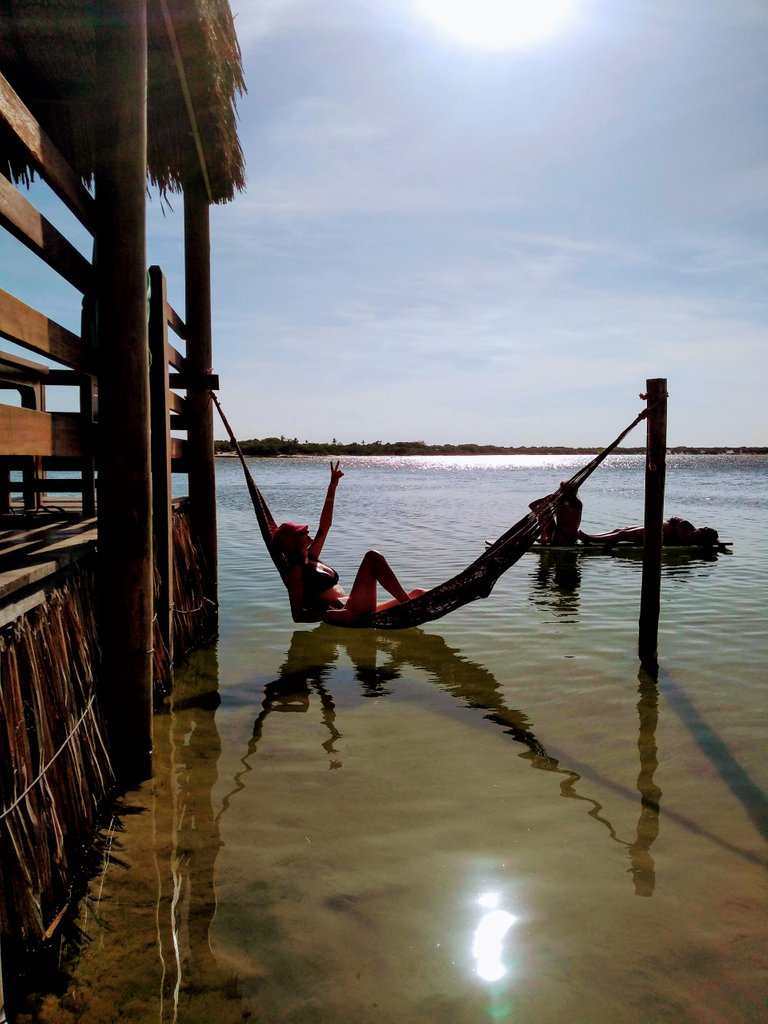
(106,575)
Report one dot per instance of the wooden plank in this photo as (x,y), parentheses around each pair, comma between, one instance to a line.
(45,157)
(67,378)
(160,434)
(25,326)
(178,448)
(31,228)
(13,367)
(632,550)
(195,381)
(176,324)
(174,357)
(176,403)
(14,579)
(28,432)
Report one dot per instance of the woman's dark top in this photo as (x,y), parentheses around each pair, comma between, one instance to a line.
(317,581)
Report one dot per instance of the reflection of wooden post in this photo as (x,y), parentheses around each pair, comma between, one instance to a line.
(125,495)
(655,473)
(643,868)
(160,418)
(199,361)
(2,997)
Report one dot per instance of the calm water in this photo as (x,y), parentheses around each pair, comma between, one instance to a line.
(495,817)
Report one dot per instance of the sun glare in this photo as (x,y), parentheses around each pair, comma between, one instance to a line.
(497,24)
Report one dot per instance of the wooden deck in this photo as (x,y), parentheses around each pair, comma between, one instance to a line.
(633,550)
(34,549)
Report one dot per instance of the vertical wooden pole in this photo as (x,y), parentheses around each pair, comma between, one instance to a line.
(125,496)
(199,361)
(160,420)
(87,411)
(655,475)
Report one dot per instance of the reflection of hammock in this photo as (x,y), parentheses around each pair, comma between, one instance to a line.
(477,580)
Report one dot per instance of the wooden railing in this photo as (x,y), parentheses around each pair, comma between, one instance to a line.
(168,375)
(32,439)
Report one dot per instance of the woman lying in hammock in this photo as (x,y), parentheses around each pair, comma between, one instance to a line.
(313,587)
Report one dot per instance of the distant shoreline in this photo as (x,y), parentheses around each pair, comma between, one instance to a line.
(282,448)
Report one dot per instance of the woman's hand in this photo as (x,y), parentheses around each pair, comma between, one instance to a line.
(336,473)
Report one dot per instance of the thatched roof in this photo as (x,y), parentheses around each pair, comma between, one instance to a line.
(47,52)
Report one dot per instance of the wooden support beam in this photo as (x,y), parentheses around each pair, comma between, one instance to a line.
(653,533)
(190,381)
(19,217)
(30,432)
(199,362)
(25,326)
(45,157)
(161,457)
(125,491)
(178,327)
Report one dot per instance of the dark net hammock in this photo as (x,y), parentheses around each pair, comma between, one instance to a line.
(477,580)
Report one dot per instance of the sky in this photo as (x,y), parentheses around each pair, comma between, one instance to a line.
(491,240)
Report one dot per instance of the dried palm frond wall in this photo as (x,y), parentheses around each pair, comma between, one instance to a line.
(194,615)
(55,773)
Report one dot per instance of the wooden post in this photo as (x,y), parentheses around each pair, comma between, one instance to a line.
(655,474)
(160,420)
(125,495)
(199,361)
(87,411)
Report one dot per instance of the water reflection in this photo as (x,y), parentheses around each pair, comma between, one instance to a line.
(557,576)
(488,938)
(556,582)
(380,659)
(186,838)
(643,868)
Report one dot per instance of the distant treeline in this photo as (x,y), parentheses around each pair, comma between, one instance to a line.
(274,447)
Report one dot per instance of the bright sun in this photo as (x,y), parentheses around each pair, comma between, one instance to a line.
(497,24)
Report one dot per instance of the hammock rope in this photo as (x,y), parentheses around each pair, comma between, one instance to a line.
(478,579)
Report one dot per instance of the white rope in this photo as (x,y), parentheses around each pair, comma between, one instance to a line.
(32,784)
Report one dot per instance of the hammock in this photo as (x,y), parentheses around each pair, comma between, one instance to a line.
(474,582)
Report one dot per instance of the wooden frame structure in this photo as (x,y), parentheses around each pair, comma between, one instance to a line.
(120,443)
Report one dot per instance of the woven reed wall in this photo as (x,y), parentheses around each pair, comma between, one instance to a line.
(54,767)
(55,775)
(195,619)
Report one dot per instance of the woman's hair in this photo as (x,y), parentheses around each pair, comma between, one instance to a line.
(707,535)
(286,536)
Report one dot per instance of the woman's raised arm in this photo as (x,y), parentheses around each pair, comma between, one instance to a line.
(326,516)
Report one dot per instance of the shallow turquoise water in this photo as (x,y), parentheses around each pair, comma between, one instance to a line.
(495,817)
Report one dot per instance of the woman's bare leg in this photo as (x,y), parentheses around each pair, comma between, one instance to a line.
(374,570)
(628,533)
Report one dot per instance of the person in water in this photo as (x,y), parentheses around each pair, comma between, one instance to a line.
(675,532)
(313,587)
(563,530)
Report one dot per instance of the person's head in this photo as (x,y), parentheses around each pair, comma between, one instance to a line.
(292,538)
(684,532)
(570,494)
(705,535)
